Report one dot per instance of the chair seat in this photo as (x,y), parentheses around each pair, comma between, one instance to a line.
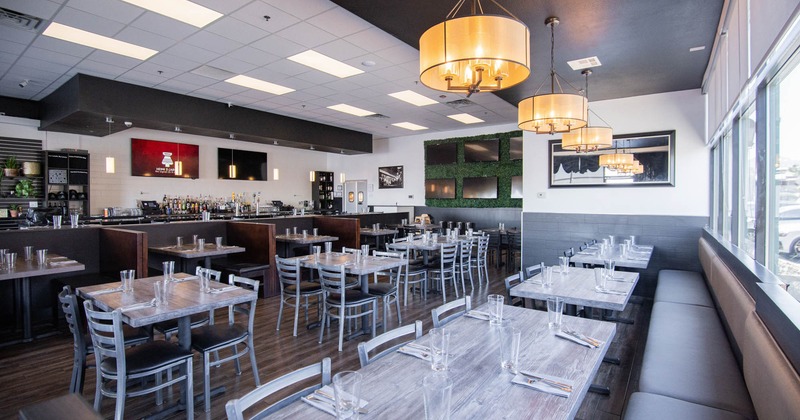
(305,287)
(240,268)
(382,289)
(148,356)
(210,336)
(350,297)
(172,325)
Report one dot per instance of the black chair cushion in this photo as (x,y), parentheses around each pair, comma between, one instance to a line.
(171,326)
(350,296)
(305,287)
(240,268)
(210,336)
(147,356)
(382,289)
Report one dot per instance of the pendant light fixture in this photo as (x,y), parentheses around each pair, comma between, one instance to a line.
(475,53)
(589,138)
(553,112)
(616,160)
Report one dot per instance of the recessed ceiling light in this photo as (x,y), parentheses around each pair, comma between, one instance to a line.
(347,109)
(465,118)
(700,48)
(89,39)
(584,63)
(258,84)
(182,10)
(325,64)
(413,98)
(409,126)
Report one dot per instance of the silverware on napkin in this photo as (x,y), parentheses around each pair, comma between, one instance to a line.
(223,289)
(105,291)
(136,306)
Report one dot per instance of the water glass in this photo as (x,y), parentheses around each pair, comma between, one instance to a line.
(328,247)
(73,220)
(305,234)
(609,265)
(201,244)
(294,230)
(288,231)
(365,250)
(3,252)
(41,256)
(218,241)
(509,348)
(160,292)
(447,232)
(57,222)
(495,309)
(563,263)
(169,270)
(315,231)
(599,279)
(28,252)
(440,344)
(126,277)
(317,249)
(547,277)
(437,389)
(179,241)
(358,256)
(555,310)
(204,281)
(11,260)
(194,239)
(410,237)
(347,392)
(611,240)
(633,240)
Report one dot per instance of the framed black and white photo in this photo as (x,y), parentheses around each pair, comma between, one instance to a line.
(653,155)
(390,177)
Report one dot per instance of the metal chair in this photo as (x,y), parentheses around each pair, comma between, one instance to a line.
(210,339)
(340,302)
(532,270)
(495,247)
(458,307)
(235,408)
(82,342)
(292,287)
(514,248)
(168,328)
(510,282)
(413,275)
(401,332)
(464,262)
(116,363)
(388,291)
(447,268)
(481,259)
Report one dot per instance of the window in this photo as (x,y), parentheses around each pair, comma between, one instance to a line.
(747,182)
(726,178)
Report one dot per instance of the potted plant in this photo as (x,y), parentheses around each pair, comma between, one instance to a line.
(14,209)
(24,188)
(11,167)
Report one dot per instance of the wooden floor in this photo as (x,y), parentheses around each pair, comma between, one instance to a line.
(41,370)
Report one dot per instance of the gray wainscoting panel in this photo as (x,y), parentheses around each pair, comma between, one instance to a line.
(547,235)
(482,217)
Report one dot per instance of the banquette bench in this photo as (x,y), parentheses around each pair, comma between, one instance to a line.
(708,354)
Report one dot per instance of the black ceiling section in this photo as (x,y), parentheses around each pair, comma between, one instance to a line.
(82,104)
(22,108)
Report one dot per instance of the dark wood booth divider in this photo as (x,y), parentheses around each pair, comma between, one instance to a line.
(122,249)
(346,229)
(259,241)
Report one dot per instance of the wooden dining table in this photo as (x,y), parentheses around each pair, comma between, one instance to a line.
(392,385)
(379,234)
(638,258)
(188,253)
(299,238)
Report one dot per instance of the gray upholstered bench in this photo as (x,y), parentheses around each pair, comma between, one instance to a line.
(643,405)
(686,287)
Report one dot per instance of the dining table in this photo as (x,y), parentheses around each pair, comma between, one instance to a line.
(426,246)
(185,298)
(392,385)
(303,239)
(189,253)
(23,270)
(637,258)
(380,235)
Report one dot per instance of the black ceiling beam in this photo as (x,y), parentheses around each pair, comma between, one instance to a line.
(22,108)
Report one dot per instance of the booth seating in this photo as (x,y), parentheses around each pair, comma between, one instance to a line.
(258,239)
(708,354)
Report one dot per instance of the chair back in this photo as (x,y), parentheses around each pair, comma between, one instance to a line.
(215,275)
(248,308)
(483,246)
(515,240)
(569,253)
(408,333)
(456,308)
(69,304)
(512,281)
(105,328)
(288,271)
(447,255)
(532,270)
(394,274)
(347,250)
(465,251)
(494,239)
(235,408)
(332,278)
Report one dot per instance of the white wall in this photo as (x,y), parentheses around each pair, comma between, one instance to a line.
(681,111)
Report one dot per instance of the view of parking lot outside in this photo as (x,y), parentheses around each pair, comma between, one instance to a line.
(747,194)
(786,253)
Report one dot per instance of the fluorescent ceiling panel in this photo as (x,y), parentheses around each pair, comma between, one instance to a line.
(257,84)
(413,98)
(410,126)
(465,118)
(325,64)
(182,10)
(347,109)
(89,39)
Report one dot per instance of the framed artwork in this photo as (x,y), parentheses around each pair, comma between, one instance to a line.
(390,177)
(655,152)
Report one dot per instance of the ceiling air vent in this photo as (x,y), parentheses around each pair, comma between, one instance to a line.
(213,72)
(584,63)
(377,116)
(19,20)
(459,103)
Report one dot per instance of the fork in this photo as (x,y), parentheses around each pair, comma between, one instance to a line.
(531,379)
(326,398)
(582,337)
(560,388)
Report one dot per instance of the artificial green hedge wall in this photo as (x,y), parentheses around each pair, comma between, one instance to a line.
(503,169)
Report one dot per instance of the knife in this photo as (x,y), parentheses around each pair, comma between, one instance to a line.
(554,384)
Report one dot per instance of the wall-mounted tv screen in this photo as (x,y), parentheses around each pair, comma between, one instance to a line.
(241,165)
(440,188)
(516,186)
(440,154)
(515,149)
(484,187)
(164,159)
(482,151)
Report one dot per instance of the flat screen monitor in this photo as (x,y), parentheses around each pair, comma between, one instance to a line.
(164,159)
(440,154)
(482,151)
(483,187)
(241,164)
(440,188)
(515,148)
(516,186)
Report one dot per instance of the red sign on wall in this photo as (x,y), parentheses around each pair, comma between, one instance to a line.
(164,159)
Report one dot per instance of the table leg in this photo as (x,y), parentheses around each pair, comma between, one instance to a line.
(207,263)
(27,335)
(608,315)
(365,322)
(185,341)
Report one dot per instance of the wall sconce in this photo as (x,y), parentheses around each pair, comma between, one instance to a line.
(311,176)
(341,178)
(232,171)
(275,174)
(110,165)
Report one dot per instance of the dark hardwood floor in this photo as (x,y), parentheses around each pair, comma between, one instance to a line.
(41,370)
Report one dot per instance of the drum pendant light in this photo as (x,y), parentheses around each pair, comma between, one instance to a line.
(589,138)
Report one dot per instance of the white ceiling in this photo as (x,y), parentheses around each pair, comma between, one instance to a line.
(241,42)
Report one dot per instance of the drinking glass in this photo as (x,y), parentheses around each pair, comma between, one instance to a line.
(294,230)
(28,252)
(179,241)
(437,389)
(410,237)
(611,240)
(328,247)
(317,249)
(41,256)
(365,250)
(11,260)
(633,240)
(204,281)
(73,220)
(126,277)
(440,343)
(160,292)
(609,265)
(169,270)
(201,244)
(57,222)
(495,309)
(509,348)
(547,277)
(358,256)
(288,231)
(305,234)
(555,309)
(194,239)
(377,226)
(447,232)
(347,392)
(3,252)
(563,263)
(599,279)
(218,241)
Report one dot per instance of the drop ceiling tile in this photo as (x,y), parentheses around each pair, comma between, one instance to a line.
(240,100)
(232,65)
(339,22)
(213,42)
(303,96)
(190,52)
(88,22)
(307,35)
(167,27)
(278,46)
(51,67)
(114,10)
(253,56)
(366,79)
(33,73)
(114,59)
(172,61)
(41,8)
(57,45)
(145,39)
(141,78)
(177,86)
(208,92)
(321,91)
(395,74)
(236,30)
(342,50)
(374,39)
(303,9)
(224,7)
(153,68)
(316,77)
(195,79)
(95,68)
(254,13)
(399,54)
(228,88)
(286,68)
(9,34)
(8,58)
(52,56)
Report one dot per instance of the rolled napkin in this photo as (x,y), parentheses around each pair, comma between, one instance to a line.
(544,383)
(579,338)
(613,292)
(137,306)
(183,279)
(105,291)
(63,262)
(416,352)
(483,316)
(223,289)
(324,400)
